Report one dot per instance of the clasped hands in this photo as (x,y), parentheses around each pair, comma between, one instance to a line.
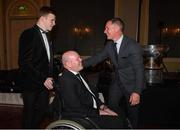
(49,83)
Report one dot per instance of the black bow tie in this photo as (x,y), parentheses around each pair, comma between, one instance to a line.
(45,32)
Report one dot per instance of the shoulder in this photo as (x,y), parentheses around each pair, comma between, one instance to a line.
(131,41)
(66,76)
(108,44)
(128,39)
(29,34)
(30,31)
(132,44)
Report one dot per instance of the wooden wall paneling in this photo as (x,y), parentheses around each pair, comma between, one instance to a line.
(43,2)
(16,28)
(117,8)
(144,22)
(128,11)
(21,14)
(2,42)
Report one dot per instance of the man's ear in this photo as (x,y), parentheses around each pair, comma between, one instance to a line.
(116,27)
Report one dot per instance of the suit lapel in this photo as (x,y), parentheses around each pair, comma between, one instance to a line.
(112,52)
(73,76)
(82,84)
(40,35)
(51,51)
(123,46)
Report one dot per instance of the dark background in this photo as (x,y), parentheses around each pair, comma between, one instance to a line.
(93,14)
(81,13)
(163,13)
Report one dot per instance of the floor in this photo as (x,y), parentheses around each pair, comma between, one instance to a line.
(160,108)
(10,116)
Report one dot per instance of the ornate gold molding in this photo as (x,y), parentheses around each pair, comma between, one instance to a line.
(22,8)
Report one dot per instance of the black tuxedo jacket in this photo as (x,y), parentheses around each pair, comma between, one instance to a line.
(129,68)
(33,60)
(77,100)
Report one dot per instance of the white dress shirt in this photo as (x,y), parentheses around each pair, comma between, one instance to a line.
(46,44)
(118,45)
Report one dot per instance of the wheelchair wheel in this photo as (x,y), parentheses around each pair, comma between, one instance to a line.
(65,124)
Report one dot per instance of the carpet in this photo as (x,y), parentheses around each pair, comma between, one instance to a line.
(11,116)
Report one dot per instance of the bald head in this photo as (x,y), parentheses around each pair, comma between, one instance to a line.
(72,61)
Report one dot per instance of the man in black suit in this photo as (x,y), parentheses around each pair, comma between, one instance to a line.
(126,56)
(79,98)
(35,63)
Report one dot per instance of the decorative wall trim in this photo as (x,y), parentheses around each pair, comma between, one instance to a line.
(22,8)
(172,64)
(171,60)
(144,22)
(117,8)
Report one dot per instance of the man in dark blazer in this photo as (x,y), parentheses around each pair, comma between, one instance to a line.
(79,98)
(35,63)
(126,56)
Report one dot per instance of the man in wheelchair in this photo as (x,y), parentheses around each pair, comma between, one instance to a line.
(79,99)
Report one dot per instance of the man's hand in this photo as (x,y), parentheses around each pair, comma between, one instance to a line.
(49,83)
(104,110)
(134,99)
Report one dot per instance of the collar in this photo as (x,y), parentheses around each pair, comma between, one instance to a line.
(74,72)
(41,30)
(119,40)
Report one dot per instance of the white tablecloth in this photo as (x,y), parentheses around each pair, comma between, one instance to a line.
(11,98)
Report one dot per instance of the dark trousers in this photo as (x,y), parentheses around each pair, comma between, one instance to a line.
(35,108)
(98,122)
(108,122)
(116,93)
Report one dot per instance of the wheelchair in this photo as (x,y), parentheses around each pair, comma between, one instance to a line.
(60,122)
(78,123)
(73,123)
(65,124)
